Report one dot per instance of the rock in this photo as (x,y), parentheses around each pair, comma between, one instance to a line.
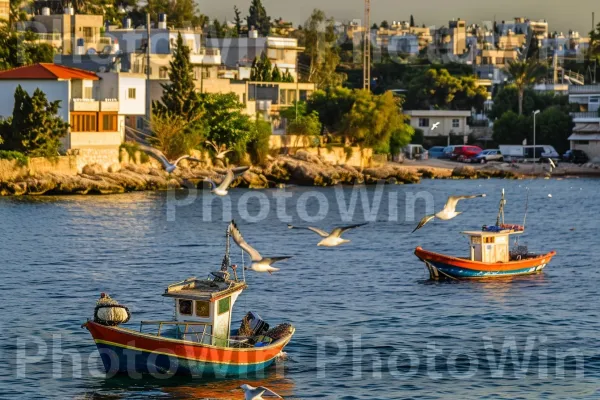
(138,169)
(253,180)
(304,155)
(114,168)
(92,169)
(464,172)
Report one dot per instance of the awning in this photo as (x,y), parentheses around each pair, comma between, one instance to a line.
(576,136)
(587,128)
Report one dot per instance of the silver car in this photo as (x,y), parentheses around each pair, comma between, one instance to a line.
(488,155)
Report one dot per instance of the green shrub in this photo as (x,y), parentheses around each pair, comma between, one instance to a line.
(131,149)
(14,155)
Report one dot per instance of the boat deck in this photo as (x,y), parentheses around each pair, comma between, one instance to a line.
(202,289)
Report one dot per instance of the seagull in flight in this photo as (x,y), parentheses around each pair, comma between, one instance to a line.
(221,190)
(219,151)
(332,239)
(435,126)
(449,210)
(257,393)
(259,263)
(158,155)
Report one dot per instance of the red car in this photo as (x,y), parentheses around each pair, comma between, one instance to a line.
(462,153)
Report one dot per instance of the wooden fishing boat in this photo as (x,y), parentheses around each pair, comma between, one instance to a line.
(490,255)
(199,340)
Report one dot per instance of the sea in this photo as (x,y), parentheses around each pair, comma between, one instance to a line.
(370,324)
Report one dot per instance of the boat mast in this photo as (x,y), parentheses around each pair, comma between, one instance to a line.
(226,263)
(501,210)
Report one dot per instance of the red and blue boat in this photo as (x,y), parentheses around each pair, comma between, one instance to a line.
(490,255)
(198,341)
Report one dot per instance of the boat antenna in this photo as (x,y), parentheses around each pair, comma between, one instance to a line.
(501,210)
(526,208)
(243,267)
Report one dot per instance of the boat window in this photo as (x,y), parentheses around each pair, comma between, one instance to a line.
(185,307)
(489,239)
(475,240)
(224,305)
(202,309)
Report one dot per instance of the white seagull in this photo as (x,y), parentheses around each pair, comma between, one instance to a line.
(219,151)
(435,126)
(332,239)
(259,263)
(257,393)
(449,210)
(221,190)
(158,155)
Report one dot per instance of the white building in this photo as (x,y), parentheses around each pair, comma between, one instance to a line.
(95,106)
(440,123)
(586,133)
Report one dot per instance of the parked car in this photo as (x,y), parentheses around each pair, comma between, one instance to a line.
(436,151)
(463,153)
(447,153)
(575,156)
(487,155)
(415,152)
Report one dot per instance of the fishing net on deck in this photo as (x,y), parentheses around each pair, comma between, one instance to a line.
(280,331)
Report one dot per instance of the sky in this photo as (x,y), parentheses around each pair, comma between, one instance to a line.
(561,15)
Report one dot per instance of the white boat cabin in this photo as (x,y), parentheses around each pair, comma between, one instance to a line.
(208,303)
(490,247)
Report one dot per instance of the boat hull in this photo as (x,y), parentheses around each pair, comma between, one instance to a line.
(442,267)
(124,351)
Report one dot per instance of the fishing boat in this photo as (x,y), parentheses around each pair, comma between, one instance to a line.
(198,341)
(490,254)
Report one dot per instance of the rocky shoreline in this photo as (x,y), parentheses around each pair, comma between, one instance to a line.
(302,169)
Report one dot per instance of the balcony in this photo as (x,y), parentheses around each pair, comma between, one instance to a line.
(206,56)
(586,116)
(109,105)
(89,105)
(584,89)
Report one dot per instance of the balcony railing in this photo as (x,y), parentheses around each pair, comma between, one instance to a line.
(585,114)
(584,89)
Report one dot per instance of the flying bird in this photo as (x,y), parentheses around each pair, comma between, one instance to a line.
(219,151)
(259,263)
(449,210)
(158,155)
(221,190)
(332,239)
(257,393)
(435,126)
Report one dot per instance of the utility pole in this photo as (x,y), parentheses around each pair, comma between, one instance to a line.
(367,47)
(297,85)
(148,97)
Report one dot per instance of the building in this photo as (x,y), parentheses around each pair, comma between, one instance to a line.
(520,25)
(403,44)
(4,9)
(69,33)
(446,122)
(95,105)
(586,133)
(235,52)
(458,34)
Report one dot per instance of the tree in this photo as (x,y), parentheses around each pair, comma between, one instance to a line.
(20,48)
(507,99)
(331,104)
(438,89)
(276,75)
(179,95)
(555,127)
(300,121)
(171,136)
(321,50)
(374,26)
(36,129)
(238,20)
(524,74)
(259,140)
(258,18)
(412,21)
(384,24)
(511,128)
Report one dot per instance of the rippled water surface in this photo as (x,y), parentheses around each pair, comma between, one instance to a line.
(368,322)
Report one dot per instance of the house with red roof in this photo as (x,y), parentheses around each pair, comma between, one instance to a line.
(95,105)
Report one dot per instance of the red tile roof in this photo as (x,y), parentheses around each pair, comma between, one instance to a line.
(47,72)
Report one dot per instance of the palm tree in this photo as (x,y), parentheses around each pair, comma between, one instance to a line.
(524,73)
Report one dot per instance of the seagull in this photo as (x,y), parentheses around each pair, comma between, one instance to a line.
(221,190)
(220,152)
(435,126)
(259,263)
(449,210)
(257,393)
(158,155)
(332,239)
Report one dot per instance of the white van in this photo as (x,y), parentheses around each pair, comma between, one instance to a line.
(416,152)
(529,153)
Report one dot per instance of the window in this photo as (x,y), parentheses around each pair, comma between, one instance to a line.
(489,239)
(83,122)
(88,34)
(424,122)
(224,305)
(88,93)
(585,142)
(456,123)
(131,93)
(163,73)
(202,309)
(185,307)
(109,122)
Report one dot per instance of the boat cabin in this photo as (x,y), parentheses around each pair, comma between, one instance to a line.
(206,304)
(490,247)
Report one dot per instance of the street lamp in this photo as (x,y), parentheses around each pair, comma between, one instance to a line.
(536,112)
